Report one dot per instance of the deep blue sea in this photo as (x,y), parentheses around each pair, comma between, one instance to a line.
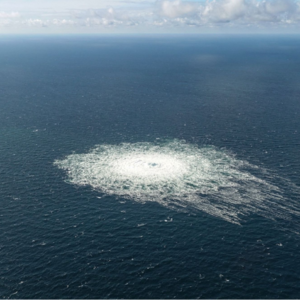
(150,167)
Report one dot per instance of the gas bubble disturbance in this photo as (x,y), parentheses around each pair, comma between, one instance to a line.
(179,175)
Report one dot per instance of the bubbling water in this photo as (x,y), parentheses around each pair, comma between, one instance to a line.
(154,166)
(181,176)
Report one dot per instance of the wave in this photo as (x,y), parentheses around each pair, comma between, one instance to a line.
(179,175)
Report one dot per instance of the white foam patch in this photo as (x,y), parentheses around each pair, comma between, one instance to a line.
(179,175)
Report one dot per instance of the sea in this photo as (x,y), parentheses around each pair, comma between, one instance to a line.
(160,166)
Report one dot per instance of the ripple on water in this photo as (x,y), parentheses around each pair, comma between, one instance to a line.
(180,175)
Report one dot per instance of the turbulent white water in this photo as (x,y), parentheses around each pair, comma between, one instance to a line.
(178,175)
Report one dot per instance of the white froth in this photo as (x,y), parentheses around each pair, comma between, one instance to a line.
(149,165)
(178,175)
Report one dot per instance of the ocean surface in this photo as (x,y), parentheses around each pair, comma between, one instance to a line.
(150,167)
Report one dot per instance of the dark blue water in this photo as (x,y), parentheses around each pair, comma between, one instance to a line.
(64,95)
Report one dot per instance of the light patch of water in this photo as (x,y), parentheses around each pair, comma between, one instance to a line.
(182,176)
